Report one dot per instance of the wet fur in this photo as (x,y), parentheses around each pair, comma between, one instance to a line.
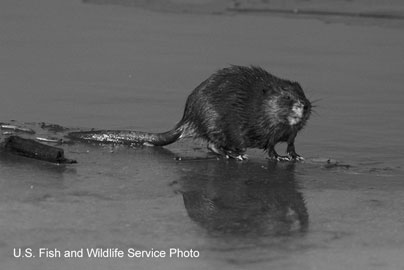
(244,107)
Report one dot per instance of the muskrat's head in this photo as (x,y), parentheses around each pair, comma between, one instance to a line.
(287,101)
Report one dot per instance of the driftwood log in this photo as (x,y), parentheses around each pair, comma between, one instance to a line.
(33,149)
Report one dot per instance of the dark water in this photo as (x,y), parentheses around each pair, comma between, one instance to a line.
(112,67)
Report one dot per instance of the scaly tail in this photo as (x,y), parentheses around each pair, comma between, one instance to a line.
(128,137)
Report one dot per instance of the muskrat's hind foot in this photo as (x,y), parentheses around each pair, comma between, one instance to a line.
(226,153)
(240,157)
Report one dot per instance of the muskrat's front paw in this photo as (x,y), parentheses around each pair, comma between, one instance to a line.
(279,158)
(290,157)
(283,158)
(295,156)
(299,158)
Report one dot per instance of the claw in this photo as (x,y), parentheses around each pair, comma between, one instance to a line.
(226,153)
(241,157)
(280,158)
(299,158)
(296,157)
(283,158)
(289,157)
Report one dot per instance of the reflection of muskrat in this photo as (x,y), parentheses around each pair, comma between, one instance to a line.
(227,199)
(234,109)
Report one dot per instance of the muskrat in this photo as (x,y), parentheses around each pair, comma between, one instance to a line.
(234,109)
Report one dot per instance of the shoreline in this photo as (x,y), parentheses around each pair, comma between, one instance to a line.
(389,13)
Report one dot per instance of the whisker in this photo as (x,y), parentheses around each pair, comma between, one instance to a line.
(315,112)
(316,100)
